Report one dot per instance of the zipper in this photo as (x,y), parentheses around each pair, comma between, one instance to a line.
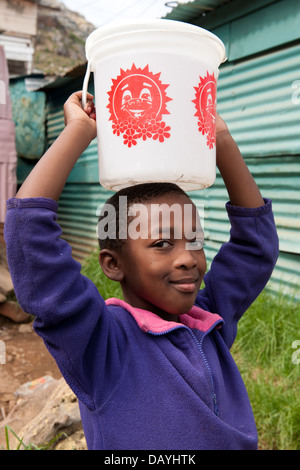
(199,347)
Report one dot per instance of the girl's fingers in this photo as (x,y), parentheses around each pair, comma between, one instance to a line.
(89,107)
(92,115)
(77,97)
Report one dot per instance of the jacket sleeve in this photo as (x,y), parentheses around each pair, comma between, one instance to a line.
(70,315)
(242,267)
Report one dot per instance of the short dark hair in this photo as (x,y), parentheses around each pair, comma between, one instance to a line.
(140,193)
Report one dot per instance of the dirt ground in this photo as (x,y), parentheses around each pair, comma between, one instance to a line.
(26,359)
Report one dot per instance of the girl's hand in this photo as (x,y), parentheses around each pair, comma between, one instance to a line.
(74,113)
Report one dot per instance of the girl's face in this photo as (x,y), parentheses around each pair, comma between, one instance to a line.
(164,267)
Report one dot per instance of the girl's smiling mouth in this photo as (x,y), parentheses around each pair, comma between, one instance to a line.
(187,284)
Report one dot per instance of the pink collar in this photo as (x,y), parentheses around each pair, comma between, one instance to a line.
(150,322)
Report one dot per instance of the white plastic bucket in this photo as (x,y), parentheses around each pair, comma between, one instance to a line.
(155,94)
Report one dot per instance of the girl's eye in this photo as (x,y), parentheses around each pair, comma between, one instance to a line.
(162,244)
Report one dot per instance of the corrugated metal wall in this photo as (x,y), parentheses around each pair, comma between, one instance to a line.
(78,210)
(258,98)
(283,188)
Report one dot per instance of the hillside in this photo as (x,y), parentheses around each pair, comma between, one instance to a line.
(60,39)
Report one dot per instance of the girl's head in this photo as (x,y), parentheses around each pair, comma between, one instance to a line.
(117,206)
(152,243)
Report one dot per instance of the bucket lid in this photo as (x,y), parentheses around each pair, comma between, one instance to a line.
(122,27)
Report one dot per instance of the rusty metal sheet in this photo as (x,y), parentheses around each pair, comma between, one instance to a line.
(29,115)
(8,157)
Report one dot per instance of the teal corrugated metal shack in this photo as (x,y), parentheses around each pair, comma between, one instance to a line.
(258,96)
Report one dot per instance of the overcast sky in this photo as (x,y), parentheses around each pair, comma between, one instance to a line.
(99,12)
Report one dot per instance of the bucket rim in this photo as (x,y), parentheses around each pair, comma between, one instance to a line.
(124,27)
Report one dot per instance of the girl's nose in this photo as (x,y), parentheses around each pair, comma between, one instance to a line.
(185,259)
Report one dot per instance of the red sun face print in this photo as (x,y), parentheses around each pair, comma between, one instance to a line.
(206,104)
(137,101)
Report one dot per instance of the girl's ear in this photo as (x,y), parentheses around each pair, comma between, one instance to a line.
(110,264)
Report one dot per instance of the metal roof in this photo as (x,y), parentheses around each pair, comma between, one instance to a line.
(189,11)
(64,80)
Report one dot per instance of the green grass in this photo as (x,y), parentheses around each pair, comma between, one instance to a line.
(263,352)
(92,270)
(21,446)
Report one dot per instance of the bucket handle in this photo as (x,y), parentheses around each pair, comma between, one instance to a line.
(85,84)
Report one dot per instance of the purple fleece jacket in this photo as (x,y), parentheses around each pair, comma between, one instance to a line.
(142,382)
